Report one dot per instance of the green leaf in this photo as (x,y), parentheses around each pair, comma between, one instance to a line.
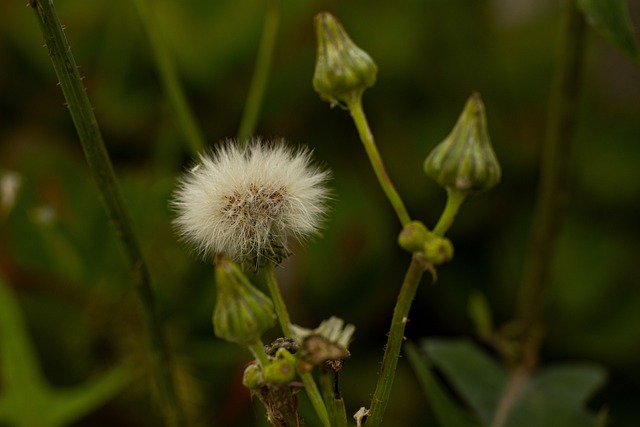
(555,396)
(611,19)
(448,413)
(27,400)
(552,397)
(473,374)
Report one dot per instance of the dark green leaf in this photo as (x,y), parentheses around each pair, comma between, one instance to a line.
(448,413)
(477,377)
(552,397)
(555,397)
(611,19)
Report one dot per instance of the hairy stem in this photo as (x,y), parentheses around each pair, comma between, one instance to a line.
(101,169)
(394,341)
(169,78)
(261,73)
(360,120)
(553,191)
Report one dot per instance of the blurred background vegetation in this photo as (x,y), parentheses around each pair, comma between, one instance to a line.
(66,270)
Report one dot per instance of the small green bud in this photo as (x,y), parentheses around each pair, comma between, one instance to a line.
(465,160)
(413,236)
(438,250)
(252,377)
(242,313)
(343,70)
(282,369)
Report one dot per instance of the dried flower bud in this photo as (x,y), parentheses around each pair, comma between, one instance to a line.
(343,70)
(242,313)
(465,160)
(329,341)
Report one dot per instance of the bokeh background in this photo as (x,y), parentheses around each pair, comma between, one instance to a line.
(66,270)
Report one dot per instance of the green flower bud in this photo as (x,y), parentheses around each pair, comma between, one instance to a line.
(252,377)
(465,160)
(343,70)
(438,250)
(413,236)
(282,369)
(242,313)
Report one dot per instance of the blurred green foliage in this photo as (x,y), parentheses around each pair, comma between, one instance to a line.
(62,260)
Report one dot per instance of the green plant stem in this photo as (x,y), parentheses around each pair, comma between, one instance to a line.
(552,196)
(360,120)
(102,171)
(283,317)
(278,301)
(261,73)
(169,78)
(454,201)
(394,341)
(332,397)
(257,349)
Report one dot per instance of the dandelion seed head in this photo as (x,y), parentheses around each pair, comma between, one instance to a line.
(247,202)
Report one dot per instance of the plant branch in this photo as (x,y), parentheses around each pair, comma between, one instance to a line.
(394,341)
(517,381)
(552,196)
(454,201)
(102,171)
(360,120)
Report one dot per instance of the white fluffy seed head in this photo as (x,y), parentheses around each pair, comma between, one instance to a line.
(247,202)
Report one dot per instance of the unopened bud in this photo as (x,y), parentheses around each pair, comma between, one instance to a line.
(438,250)
(465,160)
(343,70)
(282,368)
(242,313)
(252,377)
(413,236)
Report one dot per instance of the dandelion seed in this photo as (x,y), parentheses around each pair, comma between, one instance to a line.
(247,202)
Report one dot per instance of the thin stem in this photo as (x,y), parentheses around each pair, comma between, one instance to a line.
(261,73)
(360,120)
(394,341)
(517,380)
(332,397)
(454,201)
(283,317)
(552,197)
(101,168)
(169,78)
(278,301)
(257,349)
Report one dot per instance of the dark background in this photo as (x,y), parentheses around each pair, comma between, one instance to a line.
(69,274)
